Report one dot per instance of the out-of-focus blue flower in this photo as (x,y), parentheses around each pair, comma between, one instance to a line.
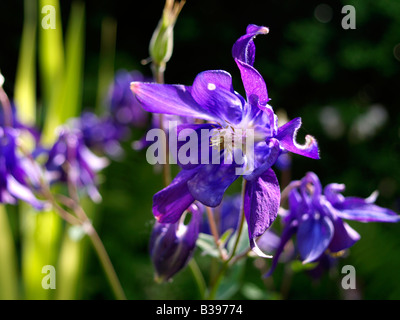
(213,99)
(172,244)
(70,160)
(16,173)
(100,133)
(124,108)
(316,216)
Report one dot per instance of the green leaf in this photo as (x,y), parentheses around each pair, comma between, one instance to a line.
(25,83)
(230,284)
(207,244)
(62,81)
(51,66)
(243,244)
(8,260)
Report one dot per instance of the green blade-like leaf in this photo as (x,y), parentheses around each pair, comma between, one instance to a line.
(51,65)
(8,260)
(72,86)
(25,83)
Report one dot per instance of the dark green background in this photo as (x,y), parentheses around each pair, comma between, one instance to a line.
(307,65)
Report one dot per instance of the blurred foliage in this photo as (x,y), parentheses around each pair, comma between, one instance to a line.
(308,65)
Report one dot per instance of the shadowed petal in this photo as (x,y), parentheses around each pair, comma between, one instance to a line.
(313,237)
(344,236)
(261,204)
(211,181)
(287,136)
(265,157)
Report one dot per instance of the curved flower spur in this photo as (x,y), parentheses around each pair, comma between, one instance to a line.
(212,99)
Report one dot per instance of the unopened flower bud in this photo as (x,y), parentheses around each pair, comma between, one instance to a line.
(161,44)
(172,245)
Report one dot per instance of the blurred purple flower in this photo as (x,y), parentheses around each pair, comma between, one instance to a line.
(17,174)
(100,133)
(124,107)
(213,99)
(172,244)
(316,216)
(71,161)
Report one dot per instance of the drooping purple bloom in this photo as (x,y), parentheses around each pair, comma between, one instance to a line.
(316,216)
(17,174)
(70,160)
(213,99)
(172,244)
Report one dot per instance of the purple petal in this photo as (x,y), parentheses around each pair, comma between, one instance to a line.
(244,48)
(213,91)
(313,236)
(199,157)
(172,245)
(169,99)
(344,236)
(253,83)
(332,192)
(265,157)
(361,210)
(22,192)
(261,204)
(287,136)
(211,181)
(287,233)
(171,202)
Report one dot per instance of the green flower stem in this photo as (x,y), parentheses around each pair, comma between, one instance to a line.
(158,75)
(198,277)
(106,263)
(214,232)
(226,263)
(102,254)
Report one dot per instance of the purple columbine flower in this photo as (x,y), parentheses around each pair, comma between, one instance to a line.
(316,216)
(70,160)
(172,244)
(213,99)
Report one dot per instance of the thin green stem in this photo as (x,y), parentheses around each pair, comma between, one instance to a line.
(107,265)
(198,276)
(214,232)
(226,263)
(158,75)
